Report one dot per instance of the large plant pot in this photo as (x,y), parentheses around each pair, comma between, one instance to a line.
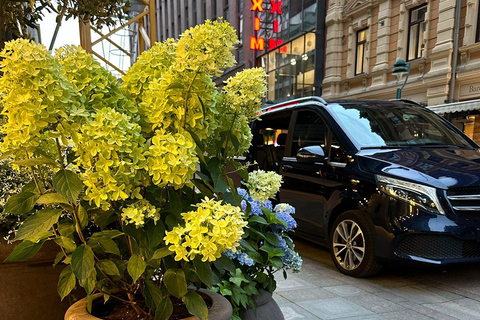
(221,308)
(28,289)
(267,308)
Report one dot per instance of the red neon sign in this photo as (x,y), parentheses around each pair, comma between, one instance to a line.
(257,23)
(257,44)
(275,26)
(257,5)
(276,7)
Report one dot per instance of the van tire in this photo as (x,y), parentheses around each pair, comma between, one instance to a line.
(350,234)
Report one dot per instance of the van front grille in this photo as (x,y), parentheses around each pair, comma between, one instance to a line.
(465,201)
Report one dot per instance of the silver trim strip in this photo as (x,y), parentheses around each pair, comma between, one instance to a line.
(465,197)
(467,208)
(338,164)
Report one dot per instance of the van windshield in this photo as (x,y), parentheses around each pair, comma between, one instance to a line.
(393,124)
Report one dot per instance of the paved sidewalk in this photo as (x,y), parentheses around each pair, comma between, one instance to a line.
(319,291)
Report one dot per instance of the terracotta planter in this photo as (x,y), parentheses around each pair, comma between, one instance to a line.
(221,308)
(28,289)
(267,308)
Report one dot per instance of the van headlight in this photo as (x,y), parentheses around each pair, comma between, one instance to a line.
(414,194)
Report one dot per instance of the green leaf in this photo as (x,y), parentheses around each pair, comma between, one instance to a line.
(38,224)
(164,309)
(155,233)
(272,239)
(161,253)
(66,227)
(257,219)
(109,267)
(204,271)
(66,243)
(103,218)
(34,162)
(66,282)
(83,263)
(25,250)
(175,282)
(20,203)
(51,198)
(103,244)
(195,305)
(153,294)
(235,142)
(58,258)
(224,263)
(136,266)
(68,184)
(82,216)
(30,187)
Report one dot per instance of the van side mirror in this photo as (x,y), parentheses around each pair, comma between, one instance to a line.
(311,154)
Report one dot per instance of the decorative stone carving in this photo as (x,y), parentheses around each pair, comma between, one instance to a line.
(464,57)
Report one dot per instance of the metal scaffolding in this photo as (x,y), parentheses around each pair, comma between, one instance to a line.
(140,30)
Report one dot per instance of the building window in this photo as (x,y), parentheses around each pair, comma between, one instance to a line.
(478,24)
(194,5)
(416,32)
(204,10)
(226,13)
(361,59)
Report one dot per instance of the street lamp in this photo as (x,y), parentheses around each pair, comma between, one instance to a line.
(400,68)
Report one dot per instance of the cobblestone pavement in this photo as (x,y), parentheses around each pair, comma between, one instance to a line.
(319,291)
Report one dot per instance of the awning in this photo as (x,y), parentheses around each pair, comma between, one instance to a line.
(456,106)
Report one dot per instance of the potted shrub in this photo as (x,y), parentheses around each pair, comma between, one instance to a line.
(265,249)
(130,181)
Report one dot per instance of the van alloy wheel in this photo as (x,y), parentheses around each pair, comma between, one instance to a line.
(352,245)
(349,244)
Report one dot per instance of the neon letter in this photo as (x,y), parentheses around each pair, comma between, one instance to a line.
(257,5)
(257,44)
(276,7)
(257,23)
(275,25)
(272,44)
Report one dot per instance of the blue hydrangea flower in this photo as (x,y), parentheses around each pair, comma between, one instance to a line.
(291,223)
(267,204)
(284,207)
(292,260)
(254,207)
(244,194)
(244,259)
(230,254)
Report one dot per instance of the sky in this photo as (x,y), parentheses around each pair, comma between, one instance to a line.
(68,34)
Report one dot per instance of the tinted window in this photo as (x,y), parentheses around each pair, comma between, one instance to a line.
(393,124)
(309,131)
(271,138)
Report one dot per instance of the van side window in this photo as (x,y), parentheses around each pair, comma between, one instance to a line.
(309,131)
(271,140)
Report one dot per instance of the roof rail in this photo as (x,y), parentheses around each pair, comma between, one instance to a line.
(293,102)
(406,100)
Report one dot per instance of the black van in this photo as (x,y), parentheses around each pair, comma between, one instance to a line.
(374,180)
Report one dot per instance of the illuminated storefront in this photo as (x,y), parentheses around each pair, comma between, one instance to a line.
(284,40)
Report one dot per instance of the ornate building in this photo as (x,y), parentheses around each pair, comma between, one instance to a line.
(365,38)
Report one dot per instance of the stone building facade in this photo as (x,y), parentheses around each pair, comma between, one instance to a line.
(366,37)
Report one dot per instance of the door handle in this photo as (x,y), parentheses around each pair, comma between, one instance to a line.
(286,167)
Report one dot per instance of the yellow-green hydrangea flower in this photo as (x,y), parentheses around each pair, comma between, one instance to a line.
(244,92)
(171,159)
(111,153)
(34,94)
(263,185)
(138,212)
(211,229)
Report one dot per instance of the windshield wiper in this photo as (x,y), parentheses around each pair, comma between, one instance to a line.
(402,146)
